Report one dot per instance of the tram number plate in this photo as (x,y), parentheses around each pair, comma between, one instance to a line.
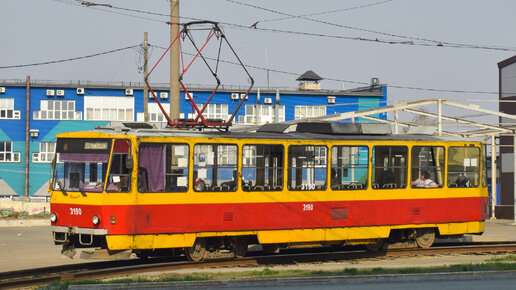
(308,207)
(307,186)
(75,211)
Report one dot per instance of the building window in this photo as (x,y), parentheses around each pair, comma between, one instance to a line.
(155,114)
(302,112)
(212,111)
(262,114)
(47,151)
(57,110)
(7,109)
(7,154)
(102,108)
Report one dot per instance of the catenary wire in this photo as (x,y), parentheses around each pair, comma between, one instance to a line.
(435,42)
(425,42)
(70,59)
(348,81)
(327,12)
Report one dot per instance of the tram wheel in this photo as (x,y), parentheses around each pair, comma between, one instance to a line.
(377,246)
(240,247)
(197,252)
(425,238)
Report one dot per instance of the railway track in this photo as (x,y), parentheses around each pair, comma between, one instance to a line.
(97,270)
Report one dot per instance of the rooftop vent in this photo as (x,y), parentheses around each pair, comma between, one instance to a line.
(344,128)
(309,81)
(138,125)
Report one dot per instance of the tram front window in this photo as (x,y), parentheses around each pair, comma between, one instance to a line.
(80,165)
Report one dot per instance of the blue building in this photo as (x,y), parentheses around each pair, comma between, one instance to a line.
(32,114)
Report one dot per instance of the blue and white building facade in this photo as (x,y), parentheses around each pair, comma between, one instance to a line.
(58,108)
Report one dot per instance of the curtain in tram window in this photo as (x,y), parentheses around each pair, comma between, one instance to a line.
(152,158)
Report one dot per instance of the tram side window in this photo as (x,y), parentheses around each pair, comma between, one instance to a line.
(262,167)
(349,167)
(119,179)
(177,168)
(389,167)
(215,167)
(427,162)
(463,166)
(307,167)
(162,167)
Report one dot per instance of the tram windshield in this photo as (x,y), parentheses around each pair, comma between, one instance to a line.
(81,164)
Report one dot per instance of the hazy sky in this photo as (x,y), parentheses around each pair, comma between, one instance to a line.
(45,30)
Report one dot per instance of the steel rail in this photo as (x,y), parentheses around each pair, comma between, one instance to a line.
(40,276)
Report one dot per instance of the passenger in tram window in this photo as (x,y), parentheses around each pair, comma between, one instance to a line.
(199,184)
(424,181)
(232,183)
(462,180)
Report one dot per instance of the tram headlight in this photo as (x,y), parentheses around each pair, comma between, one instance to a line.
(95,219)
(53,217)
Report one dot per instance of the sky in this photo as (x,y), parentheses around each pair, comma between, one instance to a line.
(404,43)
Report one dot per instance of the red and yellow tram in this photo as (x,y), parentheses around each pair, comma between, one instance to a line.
(143,191)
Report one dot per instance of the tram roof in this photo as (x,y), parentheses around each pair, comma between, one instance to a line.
(304,134)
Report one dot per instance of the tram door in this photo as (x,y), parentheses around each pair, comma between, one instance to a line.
(119,180)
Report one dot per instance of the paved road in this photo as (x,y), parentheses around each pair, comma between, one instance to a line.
(29,247)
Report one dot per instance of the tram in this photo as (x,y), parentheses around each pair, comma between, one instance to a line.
(138,190)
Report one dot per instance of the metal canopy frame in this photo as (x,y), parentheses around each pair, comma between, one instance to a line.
(484,130)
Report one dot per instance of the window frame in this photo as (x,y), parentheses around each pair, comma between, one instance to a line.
(430,169)
(307,187)
(280,170)
(15,157)
(353,185)
(223,185)
(374,167)
(478,172)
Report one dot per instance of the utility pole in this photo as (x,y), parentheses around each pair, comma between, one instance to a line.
(174,61)
(145,78)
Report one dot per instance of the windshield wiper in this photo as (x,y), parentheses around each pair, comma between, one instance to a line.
(81,189)
(61,187)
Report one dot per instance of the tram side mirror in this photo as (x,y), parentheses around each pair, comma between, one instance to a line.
(129,162)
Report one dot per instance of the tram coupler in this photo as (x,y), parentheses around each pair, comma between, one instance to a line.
(68,250)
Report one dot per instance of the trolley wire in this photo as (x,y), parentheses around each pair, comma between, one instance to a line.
(70,59)
(410,40)
(348,81)
(327,12)
(434,42)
